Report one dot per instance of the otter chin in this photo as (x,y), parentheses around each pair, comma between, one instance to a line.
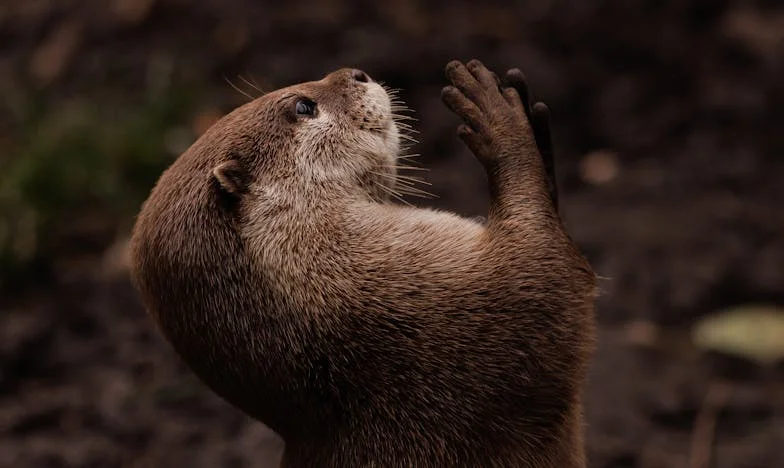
(274,258)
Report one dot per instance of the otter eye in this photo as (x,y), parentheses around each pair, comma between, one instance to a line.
(305,107)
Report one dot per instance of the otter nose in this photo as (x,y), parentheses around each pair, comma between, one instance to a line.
(360,76)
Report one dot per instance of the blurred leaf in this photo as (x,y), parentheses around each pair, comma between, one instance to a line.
(755,332)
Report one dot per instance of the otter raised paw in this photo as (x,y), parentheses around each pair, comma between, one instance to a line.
(497,127)
(364,332)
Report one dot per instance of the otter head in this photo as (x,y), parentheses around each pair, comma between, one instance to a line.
(338,133)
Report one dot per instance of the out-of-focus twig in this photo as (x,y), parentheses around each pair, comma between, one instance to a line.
(704,433)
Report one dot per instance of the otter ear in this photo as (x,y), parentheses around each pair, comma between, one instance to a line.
(231,176)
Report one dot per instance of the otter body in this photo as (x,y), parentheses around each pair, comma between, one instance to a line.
(367,333)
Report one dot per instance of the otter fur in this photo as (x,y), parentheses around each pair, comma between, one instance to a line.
(364,332)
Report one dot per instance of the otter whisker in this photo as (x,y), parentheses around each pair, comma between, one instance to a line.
(400,106)
(408,135)
(404,117)
(409,157)
(393,194)
(236,88)
(415,192)
(253,85)
(405,148)
(406,130)
(409,138)
(417,180)
(423,195)
(409,179)
(388,89)
(400,114)
(404,180)
(410,164)
(407,187)
(408,168)
(407,127)
(260,88)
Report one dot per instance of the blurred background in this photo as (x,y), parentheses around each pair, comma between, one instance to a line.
(667,119)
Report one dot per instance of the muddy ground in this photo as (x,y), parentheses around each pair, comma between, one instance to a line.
(667,118)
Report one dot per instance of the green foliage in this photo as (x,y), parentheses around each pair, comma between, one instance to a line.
(74,158)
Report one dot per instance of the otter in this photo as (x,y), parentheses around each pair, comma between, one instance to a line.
(365,332)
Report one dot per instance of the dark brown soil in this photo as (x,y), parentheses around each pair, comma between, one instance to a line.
(667,118)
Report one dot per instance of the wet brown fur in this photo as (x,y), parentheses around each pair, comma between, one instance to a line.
(367,333)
